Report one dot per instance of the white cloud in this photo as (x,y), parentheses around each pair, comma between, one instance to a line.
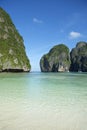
(37,20)
(74,35)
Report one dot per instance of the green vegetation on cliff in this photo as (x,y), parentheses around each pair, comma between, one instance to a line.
(58,59)
(12,51)
(79,57)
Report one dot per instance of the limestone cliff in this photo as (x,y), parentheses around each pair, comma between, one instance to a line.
(79,57)
(12,51)
(57,60)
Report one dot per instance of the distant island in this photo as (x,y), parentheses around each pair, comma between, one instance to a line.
(59,59)
(12,51)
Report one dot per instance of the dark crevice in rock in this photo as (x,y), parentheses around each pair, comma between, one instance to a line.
(13,70)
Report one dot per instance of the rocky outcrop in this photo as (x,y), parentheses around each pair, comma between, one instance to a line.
(12,51)
(57,60)
(79,57)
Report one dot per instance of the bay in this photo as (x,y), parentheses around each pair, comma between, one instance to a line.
(43,101)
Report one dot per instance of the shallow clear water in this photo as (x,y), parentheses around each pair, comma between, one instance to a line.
(43,101)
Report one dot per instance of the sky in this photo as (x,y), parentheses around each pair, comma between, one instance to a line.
(46,23)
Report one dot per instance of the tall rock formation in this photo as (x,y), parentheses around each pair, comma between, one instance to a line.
(79,57)
(12,51)
(57,60)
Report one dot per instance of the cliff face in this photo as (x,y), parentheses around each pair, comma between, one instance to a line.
(79,57)
(57,60)
(12,51)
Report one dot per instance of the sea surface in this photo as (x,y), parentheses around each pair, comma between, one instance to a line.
(43,101)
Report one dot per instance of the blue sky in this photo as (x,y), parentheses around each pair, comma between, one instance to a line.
(45,23)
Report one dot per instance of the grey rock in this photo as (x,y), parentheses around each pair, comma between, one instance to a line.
(13,57)
(79,57)
(57,60)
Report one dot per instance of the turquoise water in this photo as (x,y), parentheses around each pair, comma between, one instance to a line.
(43,101)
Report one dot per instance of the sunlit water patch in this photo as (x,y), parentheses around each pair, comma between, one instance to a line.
(43,101)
